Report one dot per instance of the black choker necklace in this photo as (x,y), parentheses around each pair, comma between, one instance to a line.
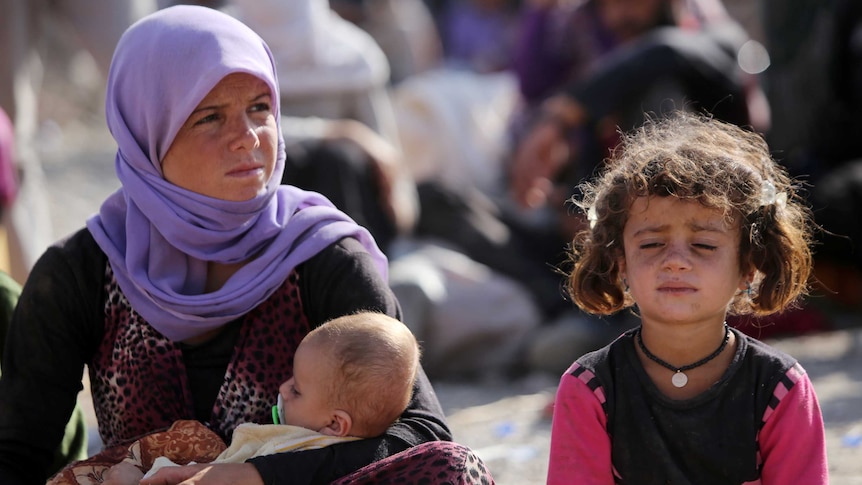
(679,378)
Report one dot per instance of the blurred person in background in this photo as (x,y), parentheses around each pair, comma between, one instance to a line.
(97,25)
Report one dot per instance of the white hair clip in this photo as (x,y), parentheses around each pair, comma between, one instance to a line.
(769,195)
(592,216)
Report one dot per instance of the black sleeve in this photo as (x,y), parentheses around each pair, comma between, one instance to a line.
(9,293)
(342,280)
(52,333)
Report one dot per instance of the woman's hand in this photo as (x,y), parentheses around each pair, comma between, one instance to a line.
(122,474)
(206,474)
(543,153)
(537,159)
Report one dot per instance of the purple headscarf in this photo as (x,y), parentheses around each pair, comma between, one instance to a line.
(158,237)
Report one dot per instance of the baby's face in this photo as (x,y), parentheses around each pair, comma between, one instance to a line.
(304,396)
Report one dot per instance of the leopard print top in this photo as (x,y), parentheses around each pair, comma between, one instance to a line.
(138,377)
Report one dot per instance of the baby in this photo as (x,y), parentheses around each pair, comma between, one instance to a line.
(352,378)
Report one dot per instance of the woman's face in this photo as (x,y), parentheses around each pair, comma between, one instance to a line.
(227,147)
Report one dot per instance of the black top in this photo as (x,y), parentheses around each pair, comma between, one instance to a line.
(711,439)
(58,325)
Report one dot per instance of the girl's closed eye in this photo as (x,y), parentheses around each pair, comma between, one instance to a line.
(705,246)
(650,245)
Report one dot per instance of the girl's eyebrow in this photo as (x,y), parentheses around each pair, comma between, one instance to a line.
(692,225)
(707,227)
(651,230)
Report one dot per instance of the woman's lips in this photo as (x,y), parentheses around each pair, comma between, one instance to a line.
(245,170)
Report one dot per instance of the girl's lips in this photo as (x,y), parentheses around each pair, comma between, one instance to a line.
(677,289)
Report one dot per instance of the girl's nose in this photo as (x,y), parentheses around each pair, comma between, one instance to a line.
(677,257)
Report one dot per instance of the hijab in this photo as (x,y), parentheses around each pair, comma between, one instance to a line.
(158,237)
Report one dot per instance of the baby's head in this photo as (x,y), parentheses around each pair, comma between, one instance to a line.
(353,376)
(716,164)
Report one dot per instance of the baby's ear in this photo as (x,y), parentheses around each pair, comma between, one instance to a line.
(339,425)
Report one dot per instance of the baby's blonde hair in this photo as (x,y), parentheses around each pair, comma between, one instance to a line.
(717,164)
(374,359)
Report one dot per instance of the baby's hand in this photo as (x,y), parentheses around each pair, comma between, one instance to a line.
(123,474)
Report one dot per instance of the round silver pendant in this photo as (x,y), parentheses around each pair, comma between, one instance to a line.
(679,379)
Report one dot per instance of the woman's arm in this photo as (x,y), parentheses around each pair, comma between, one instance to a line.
(792,441)
(580,444)
(53,330)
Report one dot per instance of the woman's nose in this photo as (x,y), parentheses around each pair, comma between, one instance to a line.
(244,134)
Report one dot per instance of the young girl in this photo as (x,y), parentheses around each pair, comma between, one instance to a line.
(691,220)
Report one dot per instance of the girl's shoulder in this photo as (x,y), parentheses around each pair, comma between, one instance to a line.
(597,368)
(762,356)
(602,357)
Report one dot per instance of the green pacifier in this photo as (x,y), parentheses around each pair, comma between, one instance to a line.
(278,412)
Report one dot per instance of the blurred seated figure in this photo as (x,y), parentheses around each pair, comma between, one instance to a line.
(404,29)
(8,181)
(837,200)
(465,290)
(327,67)
(587,70)
(95,26)
(357,169)
(74,444)
(649,56)
(813,83)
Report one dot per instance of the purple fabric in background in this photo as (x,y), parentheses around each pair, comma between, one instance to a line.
(159,237)
(8,178)
(556,46)
(480,39)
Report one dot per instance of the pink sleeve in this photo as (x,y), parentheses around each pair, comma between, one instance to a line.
(580,445)
(793,441)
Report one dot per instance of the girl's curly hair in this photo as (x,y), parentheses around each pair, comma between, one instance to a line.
(721,166)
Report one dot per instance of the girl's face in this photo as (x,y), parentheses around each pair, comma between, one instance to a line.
(227,148)
(681,260)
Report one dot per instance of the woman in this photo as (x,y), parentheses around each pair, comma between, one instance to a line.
(187,294)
